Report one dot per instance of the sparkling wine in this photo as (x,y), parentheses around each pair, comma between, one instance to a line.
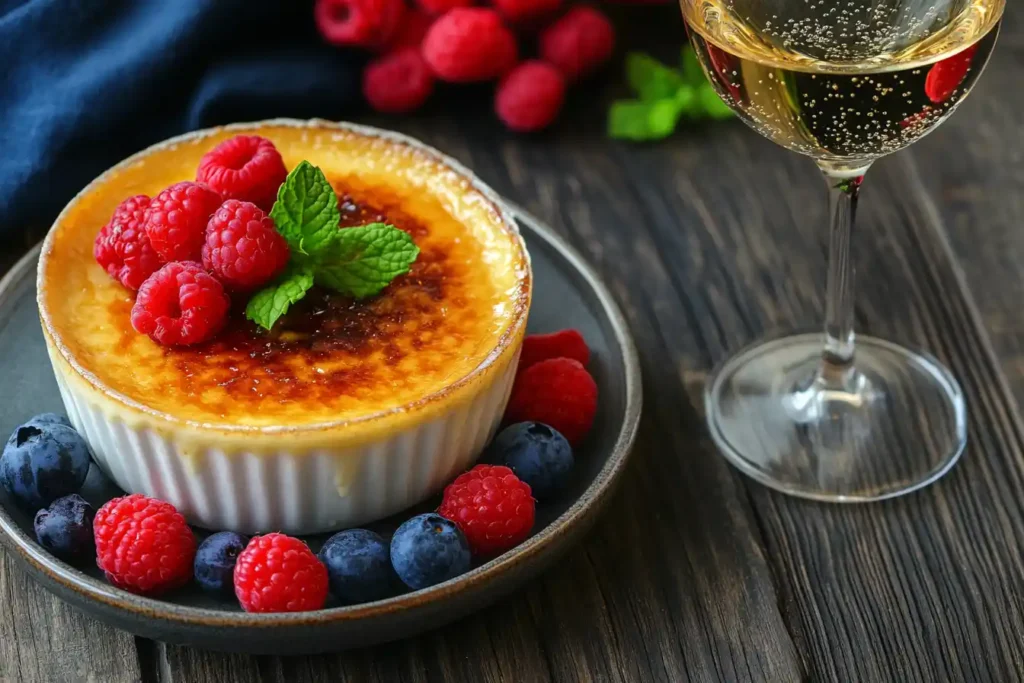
(843,80)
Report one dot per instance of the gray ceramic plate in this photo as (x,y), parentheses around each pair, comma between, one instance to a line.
(570,296)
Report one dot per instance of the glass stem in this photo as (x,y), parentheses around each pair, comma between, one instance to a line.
(844,188)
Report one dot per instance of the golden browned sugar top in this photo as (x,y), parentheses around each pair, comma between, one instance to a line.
(331,357)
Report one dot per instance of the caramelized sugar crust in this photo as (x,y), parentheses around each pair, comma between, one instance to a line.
(331,358)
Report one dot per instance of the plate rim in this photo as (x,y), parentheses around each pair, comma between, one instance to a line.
(581,512)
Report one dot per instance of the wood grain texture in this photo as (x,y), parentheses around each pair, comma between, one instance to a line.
(709,241)
(43,640)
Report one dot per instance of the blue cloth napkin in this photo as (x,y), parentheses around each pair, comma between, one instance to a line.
(85,83)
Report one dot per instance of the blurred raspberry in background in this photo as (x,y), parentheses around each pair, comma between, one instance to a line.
(531,49)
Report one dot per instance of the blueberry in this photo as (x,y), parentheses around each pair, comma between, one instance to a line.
(43,461)
(538,454)
(214,566)
(358,564)
(65,527)
(50,419)
(427,550)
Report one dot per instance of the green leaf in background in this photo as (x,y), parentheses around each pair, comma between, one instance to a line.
(688,102)
(650,79)
(693,74)
(270,303)
(637,120)
(665,96)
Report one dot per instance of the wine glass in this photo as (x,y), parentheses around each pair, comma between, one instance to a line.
(844,82)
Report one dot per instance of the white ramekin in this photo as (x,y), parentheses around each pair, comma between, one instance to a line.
(305,479)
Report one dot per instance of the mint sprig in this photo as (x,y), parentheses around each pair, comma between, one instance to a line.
(664,97)
(362,261)
(270,303)
(358,261)
(306,211)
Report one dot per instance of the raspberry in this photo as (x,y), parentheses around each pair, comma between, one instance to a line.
(469,44)
(359,23)
(530,96)
(415,25)
(143,545)
(180,304)
(946,76)
(399,82)
(278,573)
(491,506)
(176,220)
(245,167)
(122,247)
(518,11)
(442,6)
(578,43)
(562,344)
(558,392)
(243,248)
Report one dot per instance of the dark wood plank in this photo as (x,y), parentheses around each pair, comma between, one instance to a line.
(43,640)
(979,196)
(920,589)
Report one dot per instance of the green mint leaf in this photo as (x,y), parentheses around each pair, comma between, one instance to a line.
(269,304)
(688,102)
(362,261)
(651,79)
(712,104)
(693,74)
(639,121)
(306,210)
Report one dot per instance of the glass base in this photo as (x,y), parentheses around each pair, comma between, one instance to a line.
(892,423)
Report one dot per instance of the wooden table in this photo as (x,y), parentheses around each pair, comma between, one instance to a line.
(709,241)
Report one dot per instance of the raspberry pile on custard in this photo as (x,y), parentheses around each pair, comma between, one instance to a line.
(243,248)
(245,167)
(122,246)
(180,304)
(176,220)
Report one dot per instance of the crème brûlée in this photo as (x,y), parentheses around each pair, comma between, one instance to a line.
(341,391)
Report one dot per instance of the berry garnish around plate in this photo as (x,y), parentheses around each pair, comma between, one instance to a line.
(561,344)
(537,453)
(493,508)
(143,545)
(558,392)
(65,528)
(279,573)
(214,566)
(429,549)
(358,565)
(43,460)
